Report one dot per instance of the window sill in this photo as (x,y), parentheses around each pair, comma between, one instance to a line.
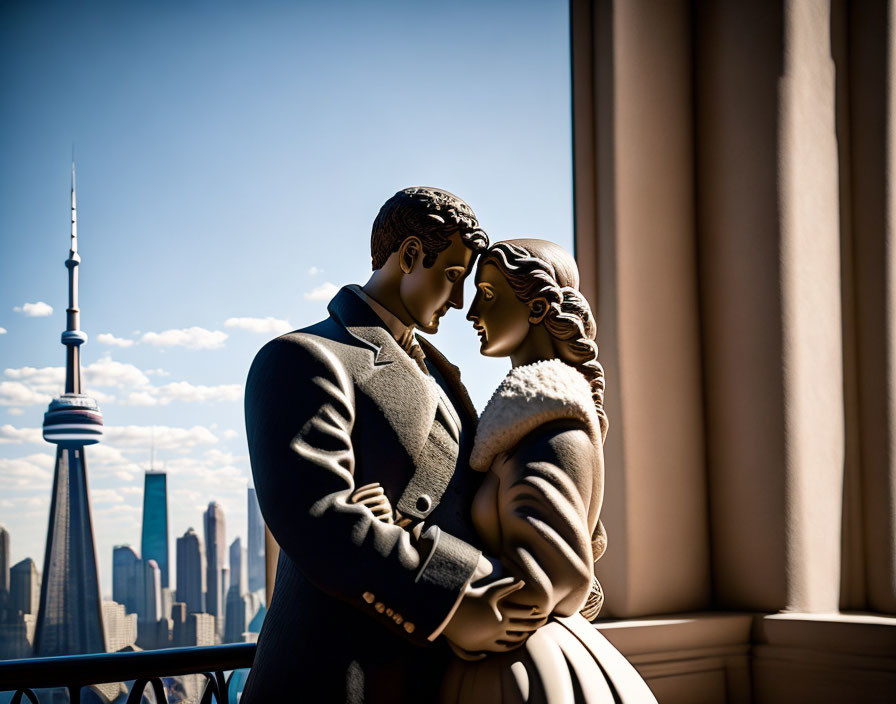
(735,658)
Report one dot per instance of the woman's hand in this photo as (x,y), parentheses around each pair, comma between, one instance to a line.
(487,619)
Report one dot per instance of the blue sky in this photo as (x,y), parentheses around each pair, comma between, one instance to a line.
(230,163)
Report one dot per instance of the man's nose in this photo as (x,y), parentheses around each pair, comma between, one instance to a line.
(456,300)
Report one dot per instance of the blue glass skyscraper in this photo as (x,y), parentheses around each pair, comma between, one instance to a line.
(154,542)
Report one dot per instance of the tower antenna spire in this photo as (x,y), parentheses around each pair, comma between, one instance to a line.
(74,246)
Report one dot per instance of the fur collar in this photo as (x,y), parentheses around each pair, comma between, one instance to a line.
(530,396)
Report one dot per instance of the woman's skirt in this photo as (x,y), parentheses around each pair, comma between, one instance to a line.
(565,661)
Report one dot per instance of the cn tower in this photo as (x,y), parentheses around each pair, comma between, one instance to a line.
(70,617)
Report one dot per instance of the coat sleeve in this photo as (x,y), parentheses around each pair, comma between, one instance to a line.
(300,410)
(549,493)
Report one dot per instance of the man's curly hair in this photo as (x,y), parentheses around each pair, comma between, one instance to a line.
(431,214)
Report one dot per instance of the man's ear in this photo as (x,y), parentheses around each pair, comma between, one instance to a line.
(408,253)
(538,308)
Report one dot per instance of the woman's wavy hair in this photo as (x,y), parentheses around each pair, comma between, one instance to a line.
(545,277)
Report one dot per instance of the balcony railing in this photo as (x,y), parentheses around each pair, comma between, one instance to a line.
(145,668)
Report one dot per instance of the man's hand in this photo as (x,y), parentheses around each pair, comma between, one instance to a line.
(486,620)
(373,496)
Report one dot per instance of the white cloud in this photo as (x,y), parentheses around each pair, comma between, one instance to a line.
(229,434)
(107,338)
(44,380)
(108,372)
(34,386)
(105,456)
(218,471)
(122,513)
(140,398)
(30,472)
(165,437)
(105,496)
(35,310)
(12,435)
(324,292)
(193,338)
(14,393)
(2,331)
(15,411)
(273,326)
(314,271)
(157,372)
(101,397)
(184,391)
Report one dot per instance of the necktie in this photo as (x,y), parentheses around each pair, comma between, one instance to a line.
(409,344)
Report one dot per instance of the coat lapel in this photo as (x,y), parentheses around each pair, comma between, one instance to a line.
(451,374)
(407,398)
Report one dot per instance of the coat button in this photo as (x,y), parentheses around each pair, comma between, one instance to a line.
(379,606)
(409,627)
(398,618)
(424,503)
(368,597)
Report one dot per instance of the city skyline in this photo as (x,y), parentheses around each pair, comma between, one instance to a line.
(141,612)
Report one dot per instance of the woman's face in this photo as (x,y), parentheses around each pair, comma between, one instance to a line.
(500,318)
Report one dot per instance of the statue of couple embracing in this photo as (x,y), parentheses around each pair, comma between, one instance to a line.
(429,554)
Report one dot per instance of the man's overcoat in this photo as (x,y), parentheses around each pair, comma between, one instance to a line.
(331,408)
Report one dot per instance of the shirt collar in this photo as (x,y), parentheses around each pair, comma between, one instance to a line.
(401,332)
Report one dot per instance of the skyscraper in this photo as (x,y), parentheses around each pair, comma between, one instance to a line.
(201,629)
(70,618)
(191,572)
(214,556)
(179,624)
(121,627)
(154,543)
(256,567)
(149,604)
(125,567)
(240,610)
(4,568)
(24,587)
(149,594)
(238,566)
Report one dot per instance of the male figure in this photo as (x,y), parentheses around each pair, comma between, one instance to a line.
(357,400)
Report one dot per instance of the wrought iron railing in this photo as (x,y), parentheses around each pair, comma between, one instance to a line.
(146,668)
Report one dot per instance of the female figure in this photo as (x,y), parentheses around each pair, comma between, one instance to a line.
(540,443)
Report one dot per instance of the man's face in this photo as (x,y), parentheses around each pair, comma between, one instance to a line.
(428,293)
